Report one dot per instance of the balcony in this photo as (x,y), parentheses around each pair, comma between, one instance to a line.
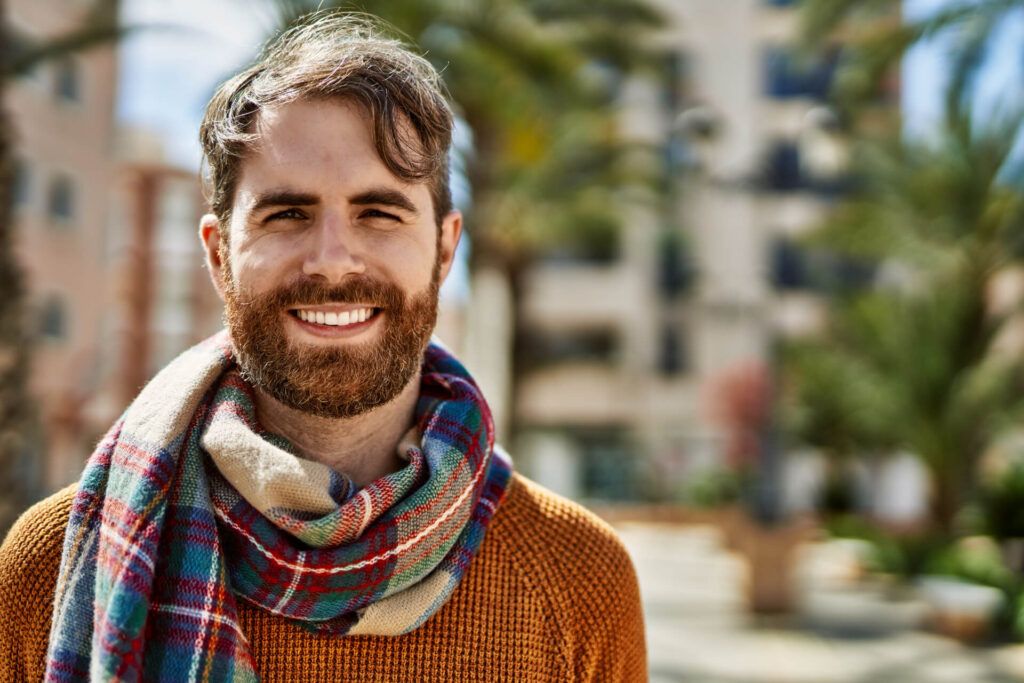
(559,295)
(580,393)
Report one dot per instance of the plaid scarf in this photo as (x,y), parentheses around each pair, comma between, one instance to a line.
(166,527)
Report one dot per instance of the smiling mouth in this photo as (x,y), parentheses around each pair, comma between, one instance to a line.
(328,318)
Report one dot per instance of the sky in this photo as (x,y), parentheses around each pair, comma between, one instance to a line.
(169,72)
(922,71)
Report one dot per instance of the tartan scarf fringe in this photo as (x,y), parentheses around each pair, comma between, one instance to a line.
(160,541)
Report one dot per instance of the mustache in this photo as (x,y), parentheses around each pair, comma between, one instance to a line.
(308,292)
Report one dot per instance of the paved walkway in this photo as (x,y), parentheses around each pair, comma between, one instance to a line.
(697,629)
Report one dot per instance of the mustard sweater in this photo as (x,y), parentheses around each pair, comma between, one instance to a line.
(551,596)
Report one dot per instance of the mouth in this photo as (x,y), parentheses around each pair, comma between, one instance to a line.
(334,320)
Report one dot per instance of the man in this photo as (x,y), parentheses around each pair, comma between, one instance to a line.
(315,493)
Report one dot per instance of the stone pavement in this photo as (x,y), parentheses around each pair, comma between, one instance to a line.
(697,628)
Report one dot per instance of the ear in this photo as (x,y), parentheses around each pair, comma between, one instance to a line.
(451,231)
(209,236)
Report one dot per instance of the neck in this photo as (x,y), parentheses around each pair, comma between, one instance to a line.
(363,448)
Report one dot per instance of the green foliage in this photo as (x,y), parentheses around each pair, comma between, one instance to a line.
(713,488)
(1001,504)
(909,556)
(906,555)
(876,34)
(913,363)
(978,560)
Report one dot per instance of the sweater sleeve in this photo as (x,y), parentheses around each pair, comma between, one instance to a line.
(610,621)
(29,562)
(584,570)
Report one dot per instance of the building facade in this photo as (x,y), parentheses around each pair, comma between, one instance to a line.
(63,112)
(641,349)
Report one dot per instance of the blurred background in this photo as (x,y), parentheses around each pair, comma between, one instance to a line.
(746,277)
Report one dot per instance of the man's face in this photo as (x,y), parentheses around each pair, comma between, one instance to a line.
(331,273)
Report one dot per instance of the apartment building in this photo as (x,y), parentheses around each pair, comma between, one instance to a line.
(634,346)
(64,117)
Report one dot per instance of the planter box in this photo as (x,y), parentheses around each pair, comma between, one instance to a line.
(959,609)
(770,553)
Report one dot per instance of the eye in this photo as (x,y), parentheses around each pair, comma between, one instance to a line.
(377,213)
(286,215)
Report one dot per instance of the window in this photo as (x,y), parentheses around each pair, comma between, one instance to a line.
(791,166)
(53,318)
(20,183)
(675,273)
(790,269)
(541,349)
(605,76)
(781,171)
(795,267)
(787,75)
(676,77)
(595,244)
(609,463)
(61,199)
(671,352)
(67,86)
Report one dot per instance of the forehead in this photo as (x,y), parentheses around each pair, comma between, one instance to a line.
(317,143)
(330,131)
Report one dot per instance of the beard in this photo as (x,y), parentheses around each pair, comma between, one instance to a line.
(335,381)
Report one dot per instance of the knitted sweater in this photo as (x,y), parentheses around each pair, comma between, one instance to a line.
(551,596)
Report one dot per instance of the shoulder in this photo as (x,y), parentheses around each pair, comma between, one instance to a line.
(585,572)
(560,544)
(38,534)
(36,537)
(29,563)
(554,529)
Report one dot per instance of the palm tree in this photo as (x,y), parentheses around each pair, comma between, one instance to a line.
(525,76)
(917,364)
(19,55)
(875,36)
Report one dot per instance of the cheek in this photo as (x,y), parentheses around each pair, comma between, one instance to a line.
(409,264)
(267,256)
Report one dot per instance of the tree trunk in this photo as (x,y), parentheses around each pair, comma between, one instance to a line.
(16,410)
(946,500)
(493,316)
(489,342)
(139,286)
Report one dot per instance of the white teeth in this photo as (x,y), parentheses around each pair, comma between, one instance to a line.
(335,319)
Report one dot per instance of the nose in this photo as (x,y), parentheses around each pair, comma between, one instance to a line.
(333,251)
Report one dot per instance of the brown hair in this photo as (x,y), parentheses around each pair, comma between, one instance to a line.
(328,55)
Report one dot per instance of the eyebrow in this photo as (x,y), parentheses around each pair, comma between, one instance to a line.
(283,198)
(385,196)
